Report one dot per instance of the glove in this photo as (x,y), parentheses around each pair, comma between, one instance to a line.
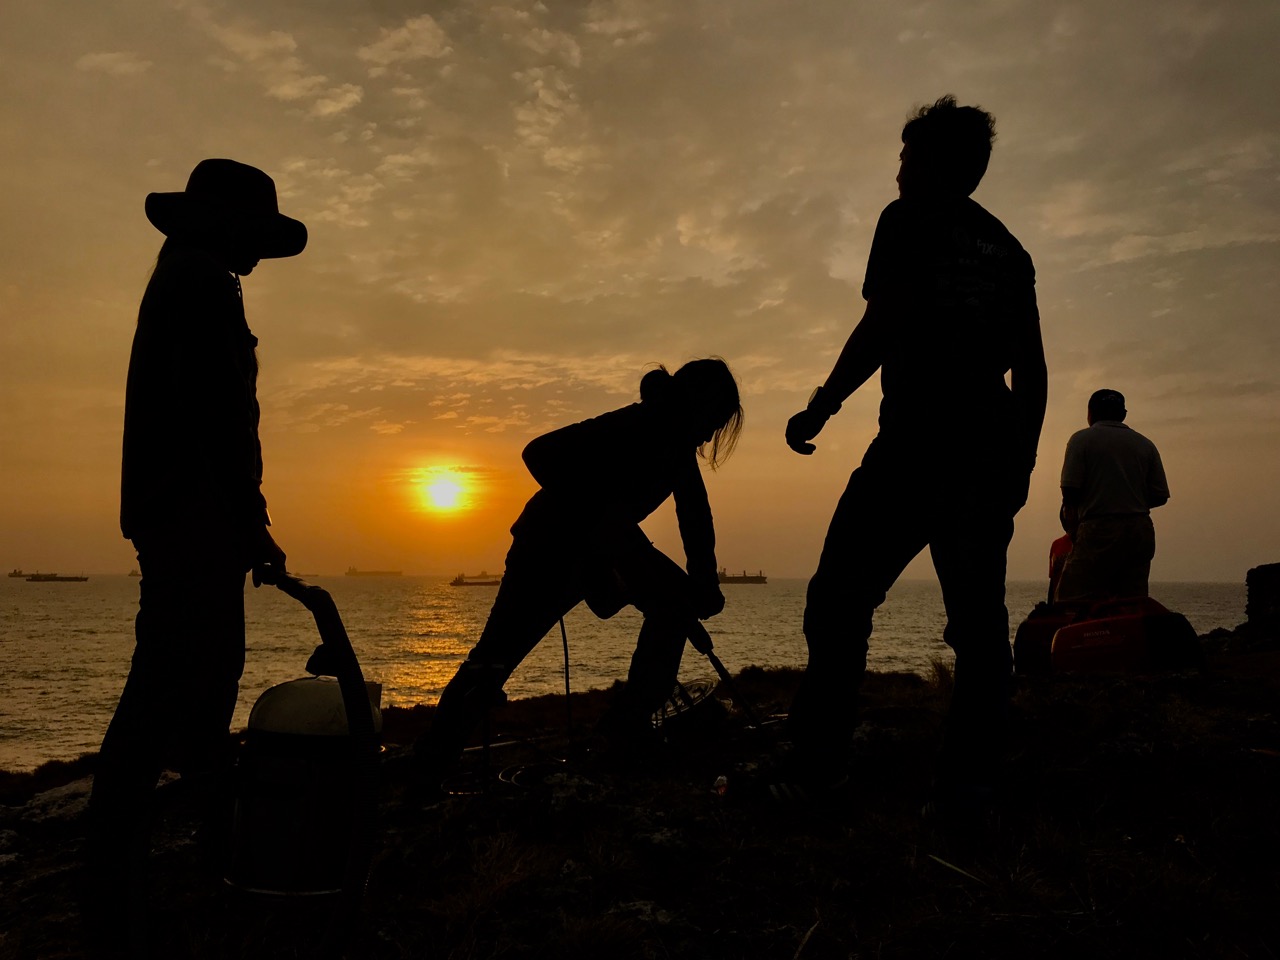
(707,598)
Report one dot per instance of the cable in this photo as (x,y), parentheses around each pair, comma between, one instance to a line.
(568,702)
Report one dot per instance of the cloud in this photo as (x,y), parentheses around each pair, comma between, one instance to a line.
(622,22)
(502,370)
(551,122)
(122,64)
(271,57)
(1079,208)
(337,100)
(419,38)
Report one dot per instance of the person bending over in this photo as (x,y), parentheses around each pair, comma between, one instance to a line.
(579,538)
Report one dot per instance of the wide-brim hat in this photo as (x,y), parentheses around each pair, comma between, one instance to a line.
(229,202)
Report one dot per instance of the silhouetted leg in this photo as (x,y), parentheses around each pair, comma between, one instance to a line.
(877,528)
(969,555)
(661,593)
(175,710)
(538,588)
(1137,576)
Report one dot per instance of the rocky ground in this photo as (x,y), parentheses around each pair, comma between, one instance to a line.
(1138,818)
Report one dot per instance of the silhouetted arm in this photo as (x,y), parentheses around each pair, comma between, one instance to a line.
(1070,513)
(224,419)
(1029,383)
(216,395)
(1029,387)
(1157,486)
(1072,482)
(861,356)
(561,459)
(698,534)
(863,352)
(579,473)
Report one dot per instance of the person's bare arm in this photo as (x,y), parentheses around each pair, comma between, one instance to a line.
(861,356)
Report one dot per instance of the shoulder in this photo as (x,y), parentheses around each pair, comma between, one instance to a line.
(630,417)
(977,213)
(1142,440)
(992,227)
(615,422)
(1080,438)
(899,216)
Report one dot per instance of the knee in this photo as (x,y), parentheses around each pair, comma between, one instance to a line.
(837,622)
(981,626)
(479,674)
(992,656)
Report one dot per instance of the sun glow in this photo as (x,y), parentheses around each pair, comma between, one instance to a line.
(444,491)
(444,494)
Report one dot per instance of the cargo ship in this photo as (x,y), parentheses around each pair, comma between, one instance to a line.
(481,579)
(353,572)
(743,577)
(54,578)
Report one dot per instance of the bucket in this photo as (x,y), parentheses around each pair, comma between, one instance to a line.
(301,805)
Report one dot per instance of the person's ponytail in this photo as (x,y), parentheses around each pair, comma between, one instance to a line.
(655,386)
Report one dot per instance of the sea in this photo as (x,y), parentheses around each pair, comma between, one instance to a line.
(65,647)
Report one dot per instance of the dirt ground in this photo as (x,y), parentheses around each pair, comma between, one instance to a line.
(1137,818)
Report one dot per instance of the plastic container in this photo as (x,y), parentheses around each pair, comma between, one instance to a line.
(302,793)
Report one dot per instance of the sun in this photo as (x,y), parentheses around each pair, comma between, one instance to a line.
(443,490)
(444,494)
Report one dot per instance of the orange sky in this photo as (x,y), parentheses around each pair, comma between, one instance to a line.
(516,209)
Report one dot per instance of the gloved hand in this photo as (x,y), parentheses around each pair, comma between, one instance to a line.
(706,597)
(802,428)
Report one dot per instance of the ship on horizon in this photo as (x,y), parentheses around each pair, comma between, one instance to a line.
(53,578)
(17,572)
(744,577)
(481,579)
(353,572)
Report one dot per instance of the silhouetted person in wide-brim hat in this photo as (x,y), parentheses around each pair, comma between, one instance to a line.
(192,504)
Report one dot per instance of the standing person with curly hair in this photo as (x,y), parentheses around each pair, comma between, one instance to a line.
(951,310)
(579,538)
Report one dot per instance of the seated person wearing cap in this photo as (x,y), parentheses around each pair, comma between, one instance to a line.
(1112,478)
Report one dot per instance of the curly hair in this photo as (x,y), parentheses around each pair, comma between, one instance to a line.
(952,142)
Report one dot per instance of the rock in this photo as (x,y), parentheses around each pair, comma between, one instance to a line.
(64,803)
(1262,603)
